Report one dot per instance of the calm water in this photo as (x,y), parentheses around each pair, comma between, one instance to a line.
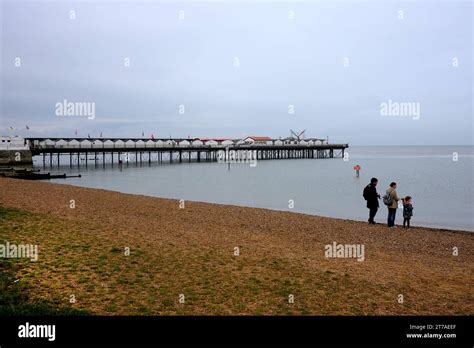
(442,189)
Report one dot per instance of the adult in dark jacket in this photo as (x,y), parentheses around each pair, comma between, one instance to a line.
(372,198)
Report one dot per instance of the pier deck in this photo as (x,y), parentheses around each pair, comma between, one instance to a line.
(108,150)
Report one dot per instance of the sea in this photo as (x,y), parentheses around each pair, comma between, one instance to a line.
(438,178)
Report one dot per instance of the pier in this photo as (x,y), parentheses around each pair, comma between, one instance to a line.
(95,151)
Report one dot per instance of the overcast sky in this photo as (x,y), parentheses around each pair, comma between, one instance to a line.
(399,51)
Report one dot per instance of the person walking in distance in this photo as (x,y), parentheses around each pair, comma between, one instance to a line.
(372,197)
(390,199)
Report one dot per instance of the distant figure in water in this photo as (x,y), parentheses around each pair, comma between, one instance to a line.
(407,211)
(372,197)
(390,199)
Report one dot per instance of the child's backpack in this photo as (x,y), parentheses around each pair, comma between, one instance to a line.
(387,199)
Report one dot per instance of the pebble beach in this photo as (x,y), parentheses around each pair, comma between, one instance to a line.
(122,254)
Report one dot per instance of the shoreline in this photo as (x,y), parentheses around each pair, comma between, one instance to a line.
(192,251)
(435,228)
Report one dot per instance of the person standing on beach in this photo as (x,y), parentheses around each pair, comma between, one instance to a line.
(372,197)
(407,211)
(391,201)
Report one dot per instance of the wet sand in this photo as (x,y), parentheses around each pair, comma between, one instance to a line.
(226,259)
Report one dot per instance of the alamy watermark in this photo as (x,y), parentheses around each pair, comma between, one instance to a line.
(237,156)
(13,251)
(79,109)
(402,109)
(28,330)
(335,250)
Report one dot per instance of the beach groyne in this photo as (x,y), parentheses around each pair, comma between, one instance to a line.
(16,157)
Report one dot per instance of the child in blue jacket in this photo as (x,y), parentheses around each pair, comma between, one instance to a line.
(407,211)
